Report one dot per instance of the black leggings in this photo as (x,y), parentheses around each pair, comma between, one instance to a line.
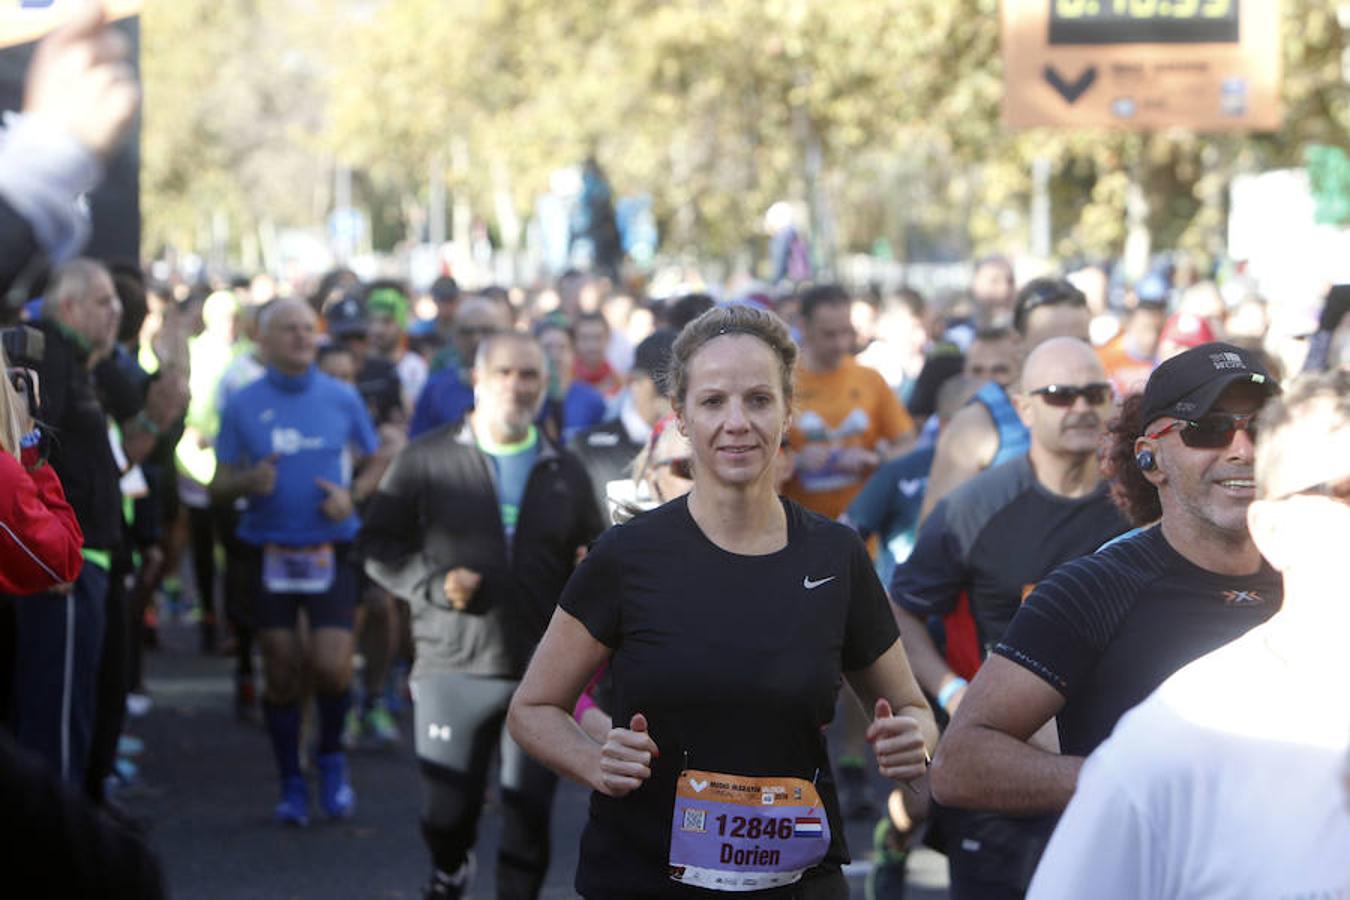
(202,534)
(207,527)
(459,720)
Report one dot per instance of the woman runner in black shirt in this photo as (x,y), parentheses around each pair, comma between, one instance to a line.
(727,617)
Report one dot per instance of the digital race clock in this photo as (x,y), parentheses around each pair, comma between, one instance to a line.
(1143,21)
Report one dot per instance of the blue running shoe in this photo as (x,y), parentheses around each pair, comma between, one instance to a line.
(335,794)
(294,806)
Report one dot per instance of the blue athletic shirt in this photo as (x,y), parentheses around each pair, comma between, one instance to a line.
(446,397)
(888,506)
(581,407)
(310,421)
(1013,437)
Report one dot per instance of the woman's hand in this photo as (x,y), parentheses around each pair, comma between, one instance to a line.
(898,744)
(626,758)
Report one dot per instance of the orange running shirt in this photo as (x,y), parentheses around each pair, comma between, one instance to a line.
(1128,373)
(849,407)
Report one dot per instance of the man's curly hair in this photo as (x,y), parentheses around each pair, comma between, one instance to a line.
(1132,493)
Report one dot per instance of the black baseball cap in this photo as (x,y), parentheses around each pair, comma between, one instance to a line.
(1189,384)
(444,289)
(347,317)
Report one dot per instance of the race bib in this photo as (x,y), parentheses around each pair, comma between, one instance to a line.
(298,570)
(735,833)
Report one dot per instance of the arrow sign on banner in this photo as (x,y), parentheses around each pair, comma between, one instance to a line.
(1071,91)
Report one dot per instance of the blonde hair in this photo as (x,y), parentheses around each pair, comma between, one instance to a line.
(10,434)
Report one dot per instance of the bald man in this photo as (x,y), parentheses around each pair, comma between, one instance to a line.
(447,396)
(987,544)
(987,432)
(285,447)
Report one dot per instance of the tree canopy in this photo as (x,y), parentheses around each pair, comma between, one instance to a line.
(883,112)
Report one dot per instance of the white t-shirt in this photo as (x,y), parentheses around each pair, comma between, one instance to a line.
(1226,782)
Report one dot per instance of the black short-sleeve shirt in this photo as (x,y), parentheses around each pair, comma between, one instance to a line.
(735,661)
(1107,629)
(995,537)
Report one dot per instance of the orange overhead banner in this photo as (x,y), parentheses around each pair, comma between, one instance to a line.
(29,20)
(1142,64)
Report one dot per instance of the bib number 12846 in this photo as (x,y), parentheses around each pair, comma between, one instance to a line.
(738,833)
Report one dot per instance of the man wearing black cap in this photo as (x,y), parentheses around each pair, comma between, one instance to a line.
(445,291)
(1101,632)
(607,450)
(1197,795)
(377,379)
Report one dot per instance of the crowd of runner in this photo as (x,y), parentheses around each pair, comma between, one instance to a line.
(1070,542)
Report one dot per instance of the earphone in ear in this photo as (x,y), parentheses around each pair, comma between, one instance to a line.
(1145,460)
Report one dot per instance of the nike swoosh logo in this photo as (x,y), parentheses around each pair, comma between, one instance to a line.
(810,585)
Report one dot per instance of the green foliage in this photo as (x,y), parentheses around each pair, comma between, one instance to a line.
(885,110)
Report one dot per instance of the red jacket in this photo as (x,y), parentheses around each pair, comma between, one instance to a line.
(40,539)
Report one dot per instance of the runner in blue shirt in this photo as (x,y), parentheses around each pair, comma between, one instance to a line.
(285,444)
(888,505)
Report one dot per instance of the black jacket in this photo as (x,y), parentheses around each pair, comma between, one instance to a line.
(78,432)
(436,509)
(607,452)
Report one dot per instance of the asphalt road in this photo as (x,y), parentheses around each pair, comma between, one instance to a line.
(209,786)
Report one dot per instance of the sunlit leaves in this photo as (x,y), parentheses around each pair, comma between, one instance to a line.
(714,107)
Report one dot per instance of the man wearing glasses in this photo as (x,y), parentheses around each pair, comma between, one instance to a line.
(993,539)
(987,432)
(448,394)
(1101,632)
(1233,777)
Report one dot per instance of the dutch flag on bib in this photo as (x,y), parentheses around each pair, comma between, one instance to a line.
(808,827)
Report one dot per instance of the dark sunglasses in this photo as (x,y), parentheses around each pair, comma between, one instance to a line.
(481,331)
(680,467)
(1210,432)
(1066,395)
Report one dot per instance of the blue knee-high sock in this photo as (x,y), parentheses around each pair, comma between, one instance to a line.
(283,724)
(332,711)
